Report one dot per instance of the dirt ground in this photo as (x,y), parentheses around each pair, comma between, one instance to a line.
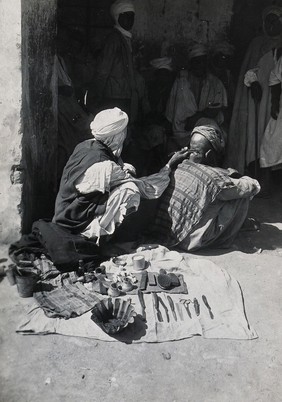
(59,368)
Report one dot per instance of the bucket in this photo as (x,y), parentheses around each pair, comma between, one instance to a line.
(26,283)
(10,274)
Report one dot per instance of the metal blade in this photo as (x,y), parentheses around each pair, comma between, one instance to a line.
(188,310)
(142,303)
(208,306)
(159,315)
(156,306)
(171,304)
(165,308)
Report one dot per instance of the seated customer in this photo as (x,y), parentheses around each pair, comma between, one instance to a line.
(97,190)
(203,206)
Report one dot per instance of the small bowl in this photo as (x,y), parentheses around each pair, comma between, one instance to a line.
(113,315)
(120,261)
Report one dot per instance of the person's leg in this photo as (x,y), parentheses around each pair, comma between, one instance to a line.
(218,227)
(137,225)
(122,201)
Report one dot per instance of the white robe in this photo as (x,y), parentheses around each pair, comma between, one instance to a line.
(182,102)
(271,146)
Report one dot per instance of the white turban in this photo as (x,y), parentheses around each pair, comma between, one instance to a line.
(198,50)
(121,6)
(109,123)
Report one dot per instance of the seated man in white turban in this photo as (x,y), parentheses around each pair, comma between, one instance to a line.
(203,206)
(97,189)
(196,93)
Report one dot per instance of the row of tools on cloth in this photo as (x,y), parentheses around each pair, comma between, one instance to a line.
(175,309)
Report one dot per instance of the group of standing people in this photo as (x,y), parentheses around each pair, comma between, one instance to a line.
(256,112)
(194,114)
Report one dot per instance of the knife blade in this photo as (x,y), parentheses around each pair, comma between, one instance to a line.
(179,310)
(165,308)
(196,306)
(186,305)
(171,304)
(157,307)
(142,303)
(208,306)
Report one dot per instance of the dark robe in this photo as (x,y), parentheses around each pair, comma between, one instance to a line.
(113,83)
(74,211)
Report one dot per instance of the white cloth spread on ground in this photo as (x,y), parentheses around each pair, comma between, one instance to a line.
(271,146)
(202,277)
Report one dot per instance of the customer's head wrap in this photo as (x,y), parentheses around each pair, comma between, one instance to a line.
(223,47)
(197,50)
(110,127)
(212,132)
(120,7)
(162,62)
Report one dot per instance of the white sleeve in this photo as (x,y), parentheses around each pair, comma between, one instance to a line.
(152,187)
(276,74)
(96,178)
(244,187)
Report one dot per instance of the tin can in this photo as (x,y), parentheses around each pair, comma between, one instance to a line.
(10,274)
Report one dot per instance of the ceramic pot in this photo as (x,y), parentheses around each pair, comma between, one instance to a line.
(139,262)
(113,290)
(126,285)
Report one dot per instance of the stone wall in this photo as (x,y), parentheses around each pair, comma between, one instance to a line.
(10,128)
(169,27)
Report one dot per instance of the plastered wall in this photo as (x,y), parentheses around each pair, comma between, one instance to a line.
(169,26)
(10,126)
(28,124)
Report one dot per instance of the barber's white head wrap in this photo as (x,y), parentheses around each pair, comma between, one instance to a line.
(120,7)
(108,123)
(197,50)
(110,126)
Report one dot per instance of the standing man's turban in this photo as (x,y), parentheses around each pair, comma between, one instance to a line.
(120,7)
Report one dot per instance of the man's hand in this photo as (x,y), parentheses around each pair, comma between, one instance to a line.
(178,157)
(127,167)
(256,91)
